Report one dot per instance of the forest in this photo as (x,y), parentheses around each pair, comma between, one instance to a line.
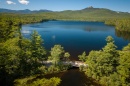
(109,66)
(21,58)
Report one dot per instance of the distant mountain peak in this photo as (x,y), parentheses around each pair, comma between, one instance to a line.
(90,7)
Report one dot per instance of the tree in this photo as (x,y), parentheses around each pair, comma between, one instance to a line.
(32,54)
(67,55)
(92,64)
(103,63)
(37,48)
(124,68)
(109,39)
(110,47)
(56,53)
(9,61)
(9,55)
(35,81)
(127,48)
(109,58)
(83,57)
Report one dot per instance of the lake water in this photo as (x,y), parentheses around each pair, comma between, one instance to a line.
(76,37)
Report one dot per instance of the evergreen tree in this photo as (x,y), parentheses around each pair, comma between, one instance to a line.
(83,57)
(38,51)
(56,54)
(67,55)
(103,63)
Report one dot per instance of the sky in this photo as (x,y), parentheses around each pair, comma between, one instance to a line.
(60,5)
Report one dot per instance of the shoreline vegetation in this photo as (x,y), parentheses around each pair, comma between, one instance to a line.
(19,57)
(121,24)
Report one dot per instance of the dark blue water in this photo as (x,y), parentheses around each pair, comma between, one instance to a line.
(74,36)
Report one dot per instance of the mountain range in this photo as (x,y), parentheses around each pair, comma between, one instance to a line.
(90,13)
(26,11)
(2,10)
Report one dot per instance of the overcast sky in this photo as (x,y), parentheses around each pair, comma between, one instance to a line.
(59,5)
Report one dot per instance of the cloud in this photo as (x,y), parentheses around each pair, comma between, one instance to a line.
(10,2)
(24,2)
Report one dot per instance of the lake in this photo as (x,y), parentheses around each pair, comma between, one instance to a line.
(76,37)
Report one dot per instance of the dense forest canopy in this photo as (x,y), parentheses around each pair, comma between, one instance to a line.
(109,66)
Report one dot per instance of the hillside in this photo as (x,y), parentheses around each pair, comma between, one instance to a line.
(89,13)
(94,14)
(121,20)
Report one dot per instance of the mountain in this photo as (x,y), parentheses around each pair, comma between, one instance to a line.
(90,13)
(26,11)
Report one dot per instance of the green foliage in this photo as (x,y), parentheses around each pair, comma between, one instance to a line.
(58,54)
(109,66)
(32,54)
(123,34)
(124,68)
(127,48)
(34,81)
(53,69)
(37,48)
(20,57)
(42,70)
(103,62)
(8,55)
(83,57)
(7,32)
(47,82)
(121,24)
(67,55)
(109,39)
(9,61)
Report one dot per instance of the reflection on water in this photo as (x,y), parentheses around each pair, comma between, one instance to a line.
(124,34)
(73,77)
(26,31)
(93,26)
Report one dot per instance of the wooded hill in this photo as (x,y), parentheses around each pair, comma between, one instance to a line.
(121,20)
(92,14)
